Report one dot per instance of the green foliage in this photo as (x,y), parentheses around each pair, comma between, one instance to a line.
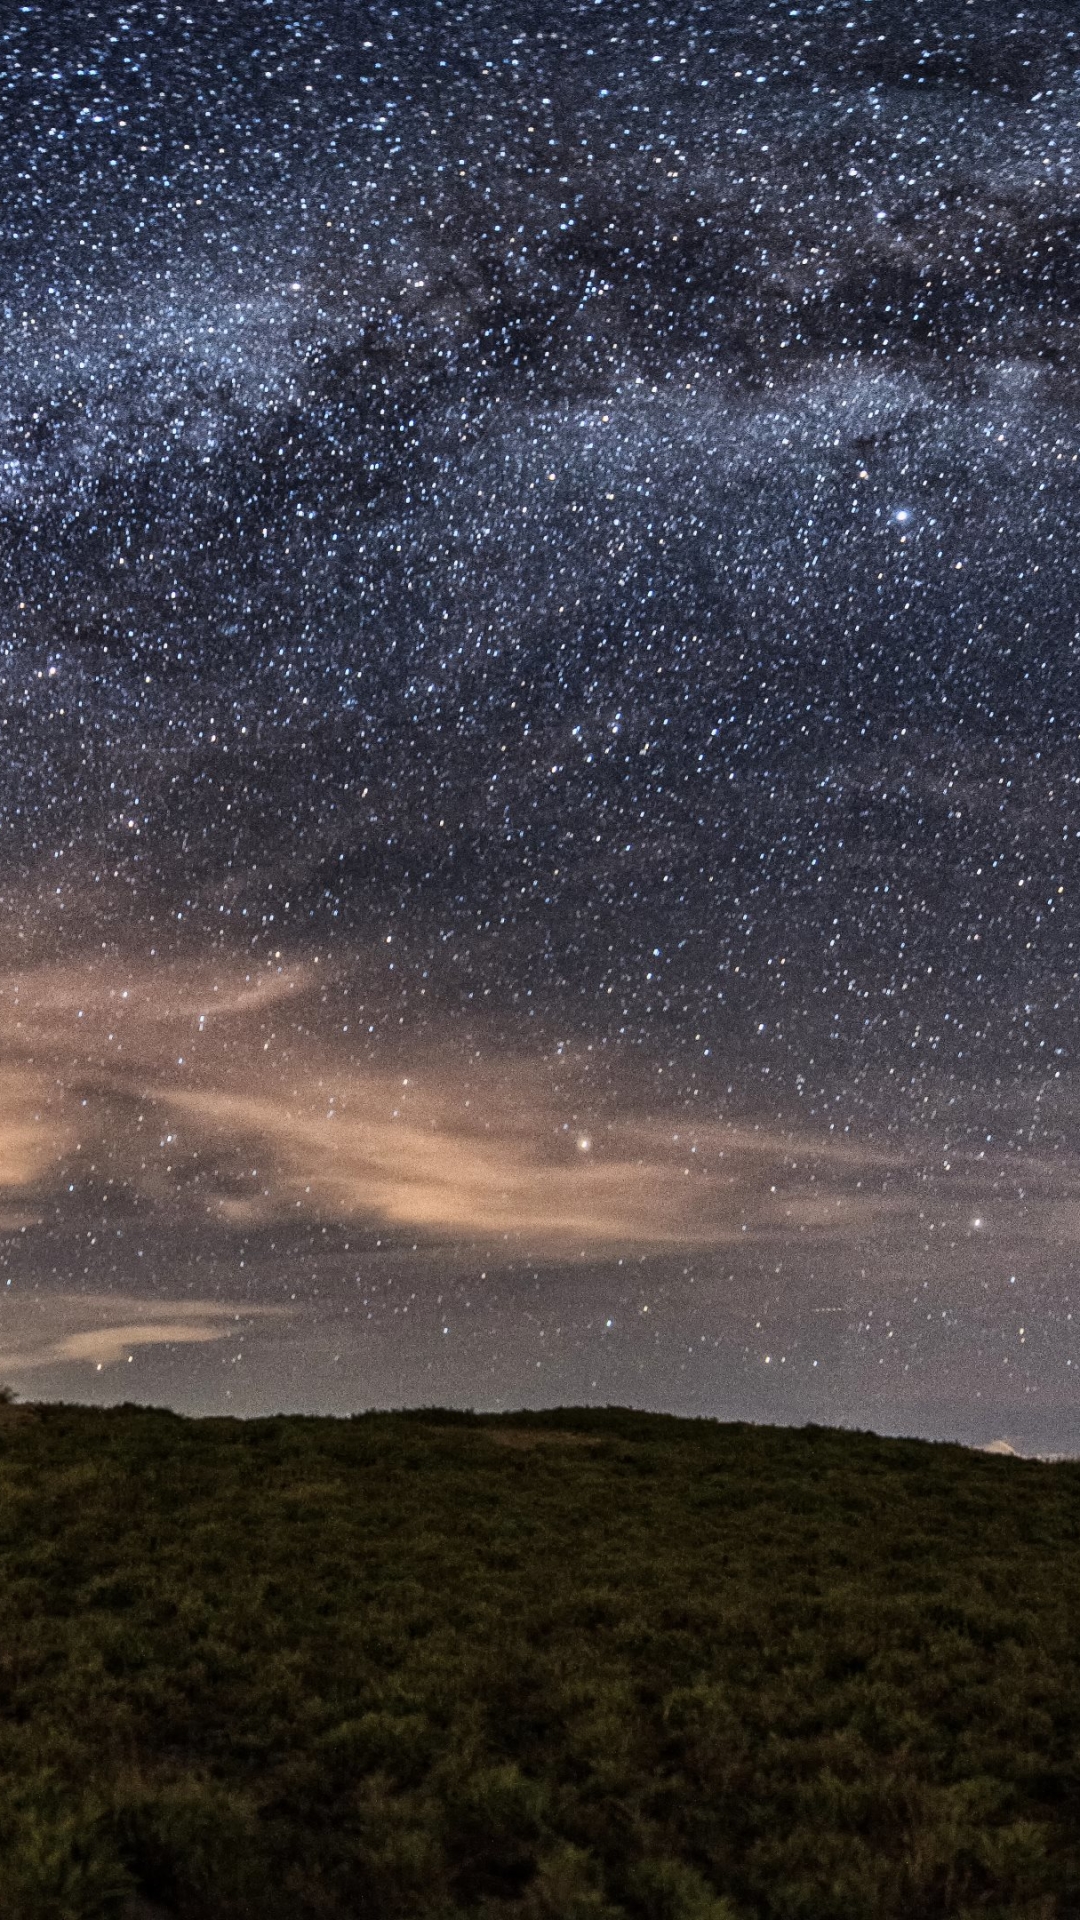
(670,1890)
(566,1666)
(566,1886)
(58,1860)
(191,1843)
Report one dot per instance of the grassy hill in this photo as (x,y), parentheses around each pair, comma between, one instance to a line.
(569,1666)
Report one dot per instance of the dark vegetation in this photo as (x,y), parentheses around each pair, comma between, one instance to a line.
(568,1666)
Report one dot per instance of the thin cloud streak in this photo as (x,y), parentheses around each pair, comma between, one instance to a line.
(52,1330)
(113,1081)
(31,1138)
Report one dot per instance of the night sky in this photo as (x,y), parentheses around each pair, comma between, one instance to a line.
(540,708)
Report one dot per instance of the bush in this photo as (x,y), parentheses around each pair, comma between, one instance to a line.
(407,1669)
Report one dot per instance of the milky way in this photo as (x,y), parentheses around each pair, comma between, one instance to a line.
(540,698)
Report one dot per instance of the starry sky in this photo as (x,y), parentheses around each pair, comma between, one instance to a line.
(540,708)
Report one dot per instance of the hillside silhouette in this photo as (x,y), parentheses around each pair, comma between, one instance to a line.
(577,1665)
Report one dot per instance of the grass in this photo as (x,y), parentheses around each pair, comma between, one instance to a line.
(570,1666)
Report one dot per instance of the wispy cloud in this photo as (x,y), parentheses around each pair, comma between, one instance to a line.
(222,1096)
(31,1136)
(101,1329)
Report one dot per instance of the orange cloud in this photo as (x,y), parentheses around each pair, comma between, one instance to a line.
(32,1137)
(101,1329)
(210,1092)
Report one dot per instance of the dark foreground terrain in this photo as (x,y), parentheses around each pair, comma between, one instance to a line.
(570,1666)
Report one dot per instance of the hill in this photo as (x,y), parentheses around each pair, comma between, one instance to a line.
(569,1666)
